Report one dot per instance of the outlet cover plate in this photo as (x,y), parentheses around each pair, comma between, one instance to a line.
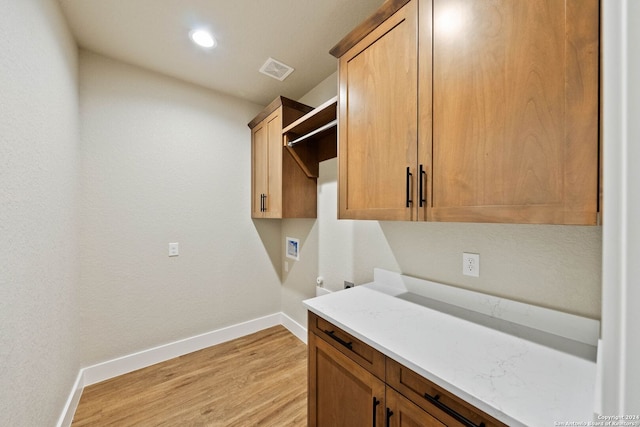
(471,264)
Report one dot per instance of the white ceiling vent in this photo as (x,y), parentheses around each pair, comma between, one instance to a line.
(276,69)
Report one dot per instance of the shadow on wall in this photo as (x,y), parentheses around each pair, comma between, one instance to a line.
(270,231)
(273,233)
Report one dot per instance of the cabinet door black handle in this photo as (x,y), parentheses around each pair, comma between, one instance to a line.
(409,175)
(332,334)
(388,421)
(263,202)
(462,419)
(376,402)
(423,177)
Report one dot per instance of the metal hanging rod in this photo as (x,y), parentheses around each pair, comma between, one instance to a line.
(314,132)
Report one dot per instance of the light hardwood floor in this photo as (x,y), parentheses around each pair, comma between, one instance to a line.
(260,379)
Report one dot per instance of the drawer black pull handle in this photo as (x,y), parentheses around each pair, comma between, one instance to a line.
(389,413)
(436,402)
(332,334)
(376,402)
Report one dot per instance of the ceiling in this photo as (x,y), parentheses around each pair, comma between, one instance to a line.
(154,34)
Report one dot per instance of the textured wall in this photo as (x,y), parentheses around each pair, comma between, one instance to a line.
(39,361)
(324,91)
(165,161)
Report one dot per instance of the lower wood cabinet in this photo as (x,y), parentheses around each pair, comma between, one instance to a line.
(351,384)
(440,404)
(341,392)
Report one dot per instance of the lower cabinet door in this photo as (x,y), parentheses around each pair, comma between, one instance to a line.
(341,392)
(401,412)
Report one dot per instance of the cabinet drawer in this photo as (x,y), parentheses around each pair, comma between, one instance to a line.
(446,407)
(402,412)
(361,353)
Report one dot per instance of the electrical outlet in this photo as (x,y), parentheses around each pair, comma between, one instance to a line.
(471,264)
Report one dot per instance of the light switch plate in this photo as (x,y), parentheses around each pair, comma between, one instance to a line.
(174,249)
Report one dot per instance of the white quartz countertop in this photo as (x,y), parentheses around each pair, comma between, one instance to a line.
(510,377)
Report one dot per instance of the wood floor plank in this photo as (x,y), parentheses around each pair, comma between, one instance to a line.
(257,380)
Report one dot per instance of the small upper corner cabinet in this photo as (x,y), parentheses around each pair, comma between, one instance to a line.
(279,188)
(471,111)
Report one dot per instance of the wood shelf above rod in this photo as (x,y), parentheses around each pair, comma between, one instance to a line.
(313,137)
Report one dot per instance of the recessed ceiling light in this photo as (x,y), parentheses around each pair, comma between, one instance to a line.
(202,38)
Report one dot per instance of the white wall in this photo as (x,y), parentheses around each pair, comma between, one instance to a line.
(322,92)
(165,161)
(39,358)
(619,362)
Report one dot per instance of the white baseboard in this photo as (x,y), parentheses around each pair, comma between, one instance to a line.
(294,327)
(72,402)
(132,362)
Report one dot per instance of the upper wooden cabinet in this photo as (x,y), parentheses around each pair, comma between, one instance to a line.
(279,188)
(472,111)
(378,117)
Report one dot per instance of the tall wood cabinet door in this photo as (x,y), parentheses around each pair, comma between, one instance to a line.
(515,119)
(378,121)
(259,167)
(341,392)
(273,201)
(404,413)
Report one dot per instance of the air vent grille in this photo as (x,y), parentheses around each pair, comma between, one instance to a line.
(276,69)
